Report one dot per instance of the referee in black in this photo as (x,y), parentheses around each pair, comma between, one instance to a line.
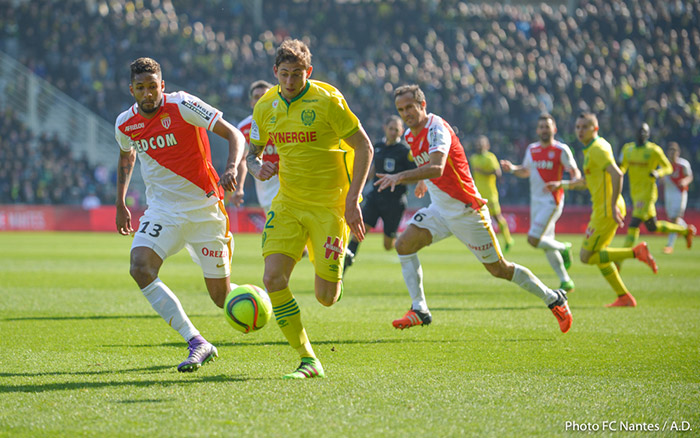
(391,155)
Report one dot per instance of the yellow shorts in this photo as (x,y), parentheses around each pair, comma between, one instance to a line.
(599,234)
(291,226)
(644,209)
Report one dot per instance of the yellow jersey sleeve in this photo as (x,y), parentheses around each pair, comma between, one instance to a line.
(341,119)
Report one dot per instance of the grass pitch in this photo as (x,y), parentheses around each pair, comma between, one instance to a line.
(83,354)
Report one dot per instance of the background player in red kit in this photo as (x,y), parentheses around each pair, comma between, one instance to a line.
(183,193)
(456,208)
(264,190)
(545,161)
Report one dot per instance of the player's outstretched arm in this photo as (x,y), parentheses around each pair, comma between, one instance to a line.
(236,149)
(433,169)
(359,141)
(519,171)
(125,168)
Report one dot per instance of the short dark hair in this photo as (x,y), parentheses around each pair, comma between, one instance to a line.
(258,84)
(293,51)
(413,89)
(547,116)
(145,65)
(592,118)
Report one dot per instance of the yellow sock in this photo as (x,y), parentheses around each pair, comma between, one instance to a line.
(503,225)
(632,236)
(288,319)
(664,227)
(611,275)
(610,255)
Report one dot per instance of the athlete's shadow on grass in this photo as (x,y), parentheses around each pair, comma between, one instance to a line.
(222,343)
(482,309)
(97,372)
(72,386)
(79,318)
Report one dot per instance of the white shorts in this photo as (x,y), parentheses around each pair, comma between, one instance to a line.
(675,202)
(471,227)
(266,191)
(544,214)
(204,232)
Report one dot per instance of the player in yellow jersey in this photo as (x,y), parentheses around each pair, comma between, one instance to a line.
(645,162)
(325,156)
(485,170)
(604,180)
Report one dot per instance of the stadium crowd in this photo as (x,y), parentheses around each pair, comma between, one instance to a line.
(43,170)
(488,69)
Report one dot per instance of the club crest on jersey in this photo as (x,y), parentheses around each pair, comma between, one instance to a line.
(551,154)
(275,103)
(389,165)
(165,120)
(308,117)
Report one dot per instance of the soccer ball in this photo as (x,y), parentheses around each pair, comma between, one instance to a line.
(247,308)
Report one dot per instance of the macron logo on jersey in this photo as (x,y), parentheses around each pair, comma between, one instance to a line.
(158,141)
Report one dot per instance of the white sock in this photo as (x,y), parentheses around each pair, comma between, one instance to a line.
(413,276)
(164,301)
(524,278)
(672,239)
(557,264)
(549,243)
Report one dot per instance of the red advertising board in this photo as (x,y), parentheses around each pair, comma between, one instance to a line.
(248,220)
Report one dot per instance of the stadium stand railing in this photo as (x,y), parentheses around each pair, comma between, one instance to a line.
(47,110)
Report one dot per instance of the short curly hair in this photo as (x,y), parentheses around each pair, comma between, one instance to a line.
(293,51)
(144,65)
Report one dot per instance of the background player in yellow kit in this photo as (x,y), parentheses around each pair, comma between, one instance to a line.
(325,156)
(485,170)
(645,162)
(604,179)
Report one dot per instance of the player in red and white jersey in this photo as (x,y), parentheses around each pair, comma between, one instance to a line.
(265,190)
(545,161)
(184,194)
(456,208)
(676,191)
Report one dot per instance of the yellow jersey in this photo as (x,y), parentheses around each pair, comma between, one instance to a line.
(315,166)
(597,156)
(486,184)
(639,161)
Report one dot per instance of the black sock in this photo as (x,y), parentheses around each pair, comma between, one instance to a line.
(353,246)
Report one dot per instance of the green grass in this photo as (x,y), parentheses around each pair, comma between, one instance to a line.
(83,354)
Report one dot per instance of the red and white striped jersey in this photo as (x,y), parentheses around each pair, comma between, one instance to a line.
(456,182)
(174,152)
(547,163)
(681,169)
